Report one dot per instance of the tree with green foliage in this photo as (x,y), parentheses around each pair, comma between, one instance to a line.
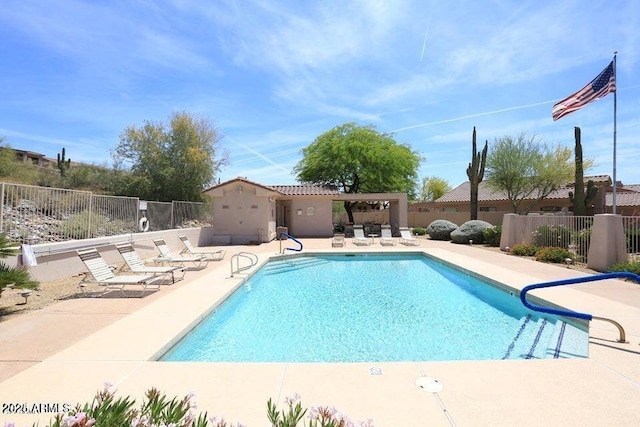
(475,172)
(359,159)
(527,170)
(169,161)
(433,188)
(13,169)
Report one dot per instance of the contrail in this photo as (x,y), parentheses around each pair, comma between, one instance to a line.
(473,115)
(424,42)
(263,157)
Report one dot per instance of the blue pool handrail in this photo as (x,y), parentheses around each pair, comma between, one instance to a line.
(576,314)
(283,234)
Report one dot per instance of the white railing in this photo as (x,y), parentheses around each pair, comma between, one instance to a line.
(31,214)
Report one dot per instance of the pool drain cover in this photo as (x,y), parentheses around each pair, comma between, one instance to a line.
(429,384)
(374,370)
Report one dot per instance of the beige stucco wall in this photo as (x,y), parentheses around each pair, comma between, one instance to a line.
(59,259)
(311,217)
(243,213)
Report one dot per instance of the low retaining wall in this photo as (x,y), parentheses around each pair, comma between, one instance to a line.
(59,260)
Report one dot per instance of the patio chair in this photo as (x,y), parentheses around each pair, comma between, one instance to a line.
(197,262)
(137,265)
(406,238)
(359,237)
(386,238)
(191,250)
(338,241)
(103,274)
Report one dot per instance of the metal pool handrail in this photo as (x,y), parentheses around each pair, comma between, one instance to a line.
(292,238)
(576,314)
(253,260)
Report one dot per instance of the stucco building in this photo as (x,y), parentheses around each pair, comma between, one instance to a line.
(245,211)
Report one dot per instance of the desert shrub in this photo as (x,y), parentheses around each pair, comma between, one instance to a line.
(552,235)
(492,235)
(553,254)
(419,231)
(524,249)
(83,225)
(441,229)
(630,267)
(633,240)
(582,240)
(470,231)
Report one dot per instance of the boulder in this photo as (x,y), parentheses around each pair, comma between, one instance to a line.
(441,229)
(470,230)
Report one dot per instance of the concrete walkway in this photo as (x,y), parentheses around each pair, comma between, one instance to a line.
(63,354)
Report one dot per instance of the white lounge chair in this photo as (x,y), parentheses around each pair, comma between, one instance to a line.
(103,274)
(406,238)
(197,261)
(337,241)
(359,237)
(191,250)
(137,265)
(386,238)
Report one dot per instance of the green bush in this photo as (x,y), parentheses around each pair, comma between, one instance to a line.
(633,240)
(492,235)
(17,277)
(524,249)
(630,267)
(83,225)
(552,236)
(419,231)
(582,240)
(553,254)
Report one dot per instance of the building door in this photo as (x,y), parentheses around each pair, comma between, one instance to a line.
(286,216)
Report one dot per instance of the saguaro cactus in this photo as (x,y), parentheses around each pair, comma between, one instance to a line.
(579,198)
(475,172)
(63,165)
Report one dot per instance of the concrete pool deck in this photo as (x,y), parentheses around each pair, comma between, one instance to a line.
(65,353)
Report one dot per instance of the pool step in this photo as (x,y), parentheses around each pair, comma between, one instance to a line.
(545,339)
(283,266)
(526,342)
(567,342)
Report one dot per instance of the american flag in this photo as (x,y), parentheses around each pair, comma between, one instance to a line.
(598,88)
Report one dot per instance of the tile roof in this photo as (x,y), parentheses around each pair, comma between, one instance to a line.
(629,195)
(306,190)
(462,193)
(288,190)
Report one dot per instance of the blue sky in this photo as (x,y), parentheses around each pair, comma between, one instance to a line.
(274,75)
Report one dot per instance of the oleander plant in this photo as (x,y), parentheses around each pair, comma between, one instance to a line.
(157,410)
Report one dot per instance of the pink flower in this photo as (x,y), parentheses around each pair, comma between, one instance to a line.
(292,400)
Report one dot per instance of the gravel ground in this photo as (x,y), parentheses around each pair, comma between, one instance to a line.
(13,304)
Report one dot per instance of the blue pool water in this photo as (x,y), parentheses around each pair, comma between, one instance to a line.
(358,308)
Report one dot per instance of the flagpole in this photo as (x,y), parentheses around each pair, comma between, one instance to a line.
(615,110)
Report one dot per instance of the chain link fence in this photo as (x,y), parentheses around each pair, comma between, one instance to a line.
(32,215)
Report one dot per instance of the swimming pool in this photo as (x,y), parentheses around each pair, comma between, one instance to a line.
(373,307)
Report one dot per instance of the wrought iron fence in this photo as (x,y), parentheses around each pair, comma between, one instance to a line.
(572,233)
(32,215)
(631,225)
